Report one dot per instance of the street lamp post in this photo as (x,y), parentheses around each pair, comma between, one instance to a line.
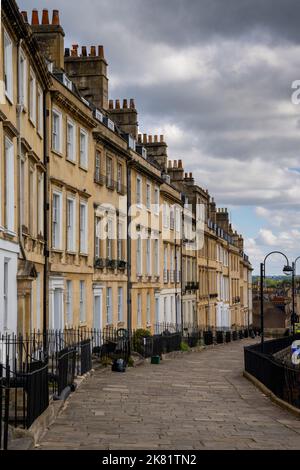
(286,269)
(293,318)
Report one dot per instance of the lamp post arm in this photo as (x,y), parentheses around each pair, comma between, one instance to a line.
(279,253)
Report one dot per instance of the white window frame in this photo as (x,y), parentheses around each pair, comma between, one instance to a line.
(148,195)
(139,264)
(156,200)
(148,256)
(109,239)
(23,79)
(120,304)
(156,256)
(83,227)
(9,185)
(109,311)
(8,67)
(40,203)
(32,97)
(71,225)
(82,301)
(71,143)
(139,191)
(83,149)
(56,147)
(148,309)
(119,176)
(40,111)
(57,244)
(97,237)
(139,310)
(69,302)
(120,241)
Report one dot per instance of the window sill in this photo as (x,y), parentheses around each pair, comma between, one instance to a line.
(83,168)
(57,153)
(82,324)
(69,160)
(57,250)
(83,254)
(40,135)
(72,253)
(32,123)
(10,233)
(9,99)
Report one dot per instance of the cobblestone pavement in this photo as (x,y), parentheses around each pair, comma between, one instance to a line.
(198,400)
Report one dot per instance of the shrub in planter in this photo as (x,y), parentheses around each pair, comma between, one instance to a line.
(184,346)
(228,336)
(138,340)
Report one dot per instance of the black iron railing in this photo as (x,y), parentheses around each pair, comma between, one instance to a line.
(280,378)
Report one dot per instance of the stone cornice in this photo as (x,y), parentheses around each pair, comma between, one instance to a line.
(10,129)
(69,187)
(74,110)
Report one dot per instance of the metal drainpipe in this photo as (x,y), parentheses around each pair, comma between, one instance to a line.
(181,267)
(46,208)
(129,303)
(19,112)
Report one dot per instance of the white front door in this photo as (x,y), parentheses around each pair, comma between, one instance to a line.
(97,323)
(57,309)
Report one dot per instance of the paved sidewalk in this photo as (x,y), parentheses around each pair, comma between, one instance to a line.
(198,400)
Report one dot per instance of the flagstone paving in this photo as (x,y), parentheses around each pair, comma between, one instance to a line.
(197,400)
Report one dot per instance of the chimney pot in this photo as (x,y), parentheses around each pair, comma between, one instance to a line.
(144,138)
(67,52)
(156,139)
(45,17)
(25,16)
(101,52)
(191,175)
(83,51)
(140,138)
(111,104)
(35,18)
(175,164)
(185,175)
(170,164)
(93,51)
(125,104)
(117,104)
(132,104)
(55,18)
(179,163)
(161,138)
(150,138)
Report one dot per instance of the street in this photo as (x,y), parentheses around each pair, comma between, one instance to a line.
(197,400)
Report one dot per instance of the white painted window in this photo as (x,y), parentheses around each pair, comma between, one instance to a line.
(109,316)
(8,67)
(82,302)
(22,189)
(9,185)
(69,303)
(97,166)
(40,111)
(40,204)
(165,309)
(148,196)
(71,141)
(97,237)
(32,98)
(157,310)
(31,199)
(57,220)
(139,256)
(38,302)
(120,242)
(148,256)
(71,224)
(56,131)
(166,215)
(109,240)
(138,191)
(83,227)
(177,219)
(156,201)
(156,257)
(165,263)
(83,148)
(119,177)
(148,313)
(5,294)
(109,172)
(120,304)
(23,79)
(139,310)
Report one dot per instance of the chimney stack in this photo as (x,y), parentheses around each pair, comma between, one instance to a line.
(50,36)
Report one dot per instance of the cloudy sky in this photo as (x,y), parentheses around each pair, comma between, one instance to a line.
(215,77)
